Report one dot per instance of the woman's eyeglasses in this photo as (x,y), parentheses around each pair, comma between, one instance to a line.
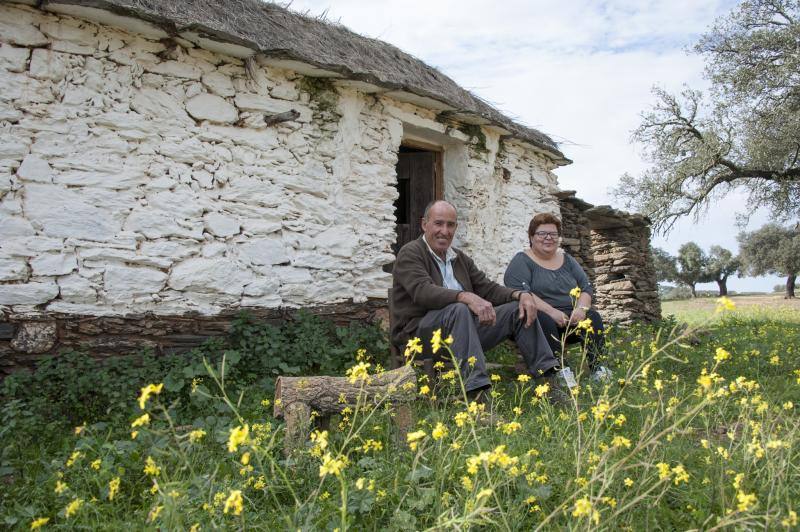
(544,235)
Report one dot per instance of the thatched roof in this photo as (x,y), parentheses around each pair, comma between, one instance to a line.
(277,32)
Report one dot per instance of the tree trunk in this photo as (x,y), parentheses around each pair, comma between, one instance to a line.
(790,284)
(723,287)
(297,397)
(694,292)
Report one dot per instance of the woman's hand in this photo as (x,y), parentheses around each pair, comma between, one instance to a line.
(578,314)
(559,317)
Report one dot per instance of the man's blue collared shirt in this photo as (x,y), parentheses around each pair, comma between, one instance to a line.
(446,267)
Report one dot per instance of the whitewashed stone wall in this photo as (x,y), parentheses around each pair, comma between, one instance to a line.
(139,175)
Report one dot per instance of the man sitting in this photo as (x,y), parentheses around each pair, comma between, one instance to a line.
(437,286)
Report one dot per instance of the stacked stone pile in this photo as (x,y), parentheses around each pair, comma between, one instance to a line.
(615,246)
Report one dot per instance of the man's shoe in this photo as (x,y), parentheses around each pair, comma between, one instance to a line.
(556,394)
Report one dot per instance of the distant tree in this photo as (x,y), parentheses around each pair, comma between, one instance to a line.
(745,136)
(772,250)
(720,264)
(691,265)
(664,263)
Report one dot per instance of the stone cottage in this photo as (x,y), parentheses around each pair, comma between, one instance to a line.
(166,164)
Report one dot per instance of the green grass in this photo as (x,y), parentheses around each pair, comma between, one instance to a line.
(679,441)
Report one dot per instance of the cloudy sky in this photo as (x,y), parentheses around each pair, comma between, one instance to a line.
(578,70)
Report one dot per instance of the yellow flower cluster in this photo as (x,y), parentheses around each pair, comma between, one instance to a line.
(414,438)
(332,466)
(238,436)
(147,391)
(358,373)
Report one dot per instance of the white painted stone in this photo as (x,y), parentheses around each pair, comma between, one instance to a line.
(105,255)
(220,225)
(13,146)
(153,224)
(298,240)
(8,113)
(312,179)
(63,31)
(339,241)
(258,226)
(54,264)
(188,151)
(66,213)
(252,191)
(211,107)
(46,64)
(209,275)
(213,249)
(14,59)
(180,203)
(123,283)
(285,91)
(21,34)
(175,69)
(259,139)
(13,269)
(77,289)
(68,47)
(36,169)
(320,262)
(29,245)
(219,84)
(262,286)
(157,104)
(266,301)
(33,293)
(122,240)
(175,250)
(203,178)
(267,250)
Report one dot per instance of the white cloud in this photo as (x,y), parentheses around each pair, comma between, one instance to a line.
(579,70)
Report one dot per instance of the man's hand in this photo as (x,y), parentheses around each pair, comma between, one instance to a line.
(479,306)
(527,308)
(578,314)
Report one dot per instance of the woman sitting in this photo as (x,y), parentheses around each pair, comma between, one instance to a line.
(552,275)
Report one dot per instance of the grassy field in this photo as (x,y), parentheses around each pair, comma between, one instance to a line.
(701,309)
(698,430)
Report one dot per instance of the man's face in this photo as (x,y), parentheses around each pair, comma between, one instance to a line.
(440,227)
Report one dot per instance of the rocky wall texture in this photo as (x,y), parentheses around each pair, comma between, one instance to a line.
(143,177)
(614,249)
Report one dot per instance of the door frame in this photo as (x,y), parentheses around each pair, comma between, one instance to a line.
(438,166)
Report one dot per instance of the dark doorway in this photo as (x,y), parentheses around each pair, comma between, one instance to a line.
(418,183)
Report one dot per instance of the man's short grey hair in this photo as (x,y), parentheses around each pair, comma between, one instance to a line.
(430,205)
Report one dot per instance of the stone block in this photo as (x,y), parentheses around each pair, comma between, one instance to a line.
(263,251)
(35,337)
(156,104)
(220,225)
(21,33)
(124,283)
(76,289)
(212,108)
(338,240)
(49,65)
(54,264)
(210,275)
(35,293)
(7,331)
(66,213)
(14,59)
(13,269)
(176,69)
(219,84)
(35,169)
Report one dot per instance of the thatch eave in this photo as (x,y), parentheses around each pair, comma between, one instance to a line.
(275,32)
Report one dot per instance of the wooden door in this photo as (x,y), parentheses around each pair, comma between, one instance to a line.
(417,185)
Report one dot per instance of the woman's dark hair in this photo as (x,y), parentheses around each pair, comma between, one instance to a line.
(542,219)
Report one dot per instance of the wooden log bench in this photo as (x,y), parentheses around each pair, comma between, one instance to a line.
(297,397)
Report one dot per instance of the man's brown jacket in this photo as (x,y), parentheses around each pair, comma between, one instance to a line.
(417,287)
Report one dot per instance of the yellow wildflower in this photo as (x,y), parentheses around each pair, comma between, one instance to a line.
(141,420)
(495,377)
(61,487)
(96,464)
(485,492)
(40,522)
(74,457)
(523,378)
(600,410)
(73,507)
(472,361)
(147,391)
(681,475)
(150,467)
(413,438)
(77,431)
(466,482)
(628,482)
(575,292)
(154,513)
(621,441)
(584,507)
(332,466)
(238,436)
(723,304)
(234,503)
(437,342)
(113,488)
(196,435)
(424,389)
(439,431)
(245,458)
(511,427)
(788,405)
(461,418)
(414,346)
(663,470)
(721,355)
(790,521)
(745,501)
(541,390)
(134,433)
(359,373)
